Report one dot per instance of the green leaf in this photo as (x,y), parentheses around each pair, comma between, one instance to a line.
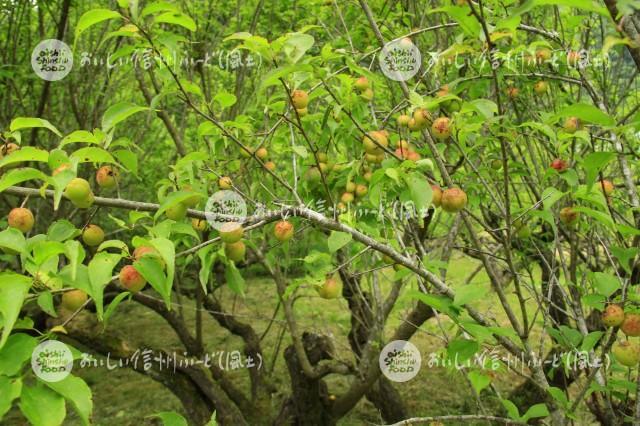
(297,45)
(421,193)
(15,354)
(478,380)
(177,18)
(45,250)
(207,256)
(62,230)
(128,159)
(15,176)
(100,272)
(20,123)
(588,113)
(337,240)
(79,136)
(511,408)
(45,301)
(212,421)
(550,196)
(300,150)
(225,99)
(92,154)
(590,340)
(593,163)
(152,271)
(75,253)
(601,217)
(60,181)
(12,241)
(587,5)
(10,389)
(27,153)
(625,256)
(485,107)
(235,281)
(167,250)
(13,289)
(437,301)
(113,305)
(468,293)
(538,410)
(159,6)
(76,391)
(42,406)
(605,284)
(118,113)
(171,418)
(171,200)
(462,350)
(559,395)
(93,17)
(461,15)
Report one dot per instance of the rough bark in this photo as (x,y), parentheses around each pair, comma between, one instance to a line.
(309,403)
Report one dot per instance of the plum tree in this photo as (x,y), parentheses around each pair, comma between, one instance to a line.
(361,83)
(453,200)
(631,325)
(559,165)
(107,177)
(235,251)
(606,186)
(300,99)
(572,125)
(541,87)
(361,190)
(543,55)
(568,215)
(131,279)
(513,92)
(613,316)
(283,230)
(192,201)
(421,118)
(21,218)
(403,120)
(330,289)
(92,235)
(73,300)
(347,197)
(176,212)
(199,224)
(225,182)
(148,251)
(231,232)
(79,192)
(436,197)
(626,353)
(262,153)
(441,128)
(536,161)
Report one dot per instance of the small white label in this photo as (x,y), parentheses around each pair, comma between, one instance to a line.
(52,60)
(400,361)
(400,59)
(52,361)
(228,203)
